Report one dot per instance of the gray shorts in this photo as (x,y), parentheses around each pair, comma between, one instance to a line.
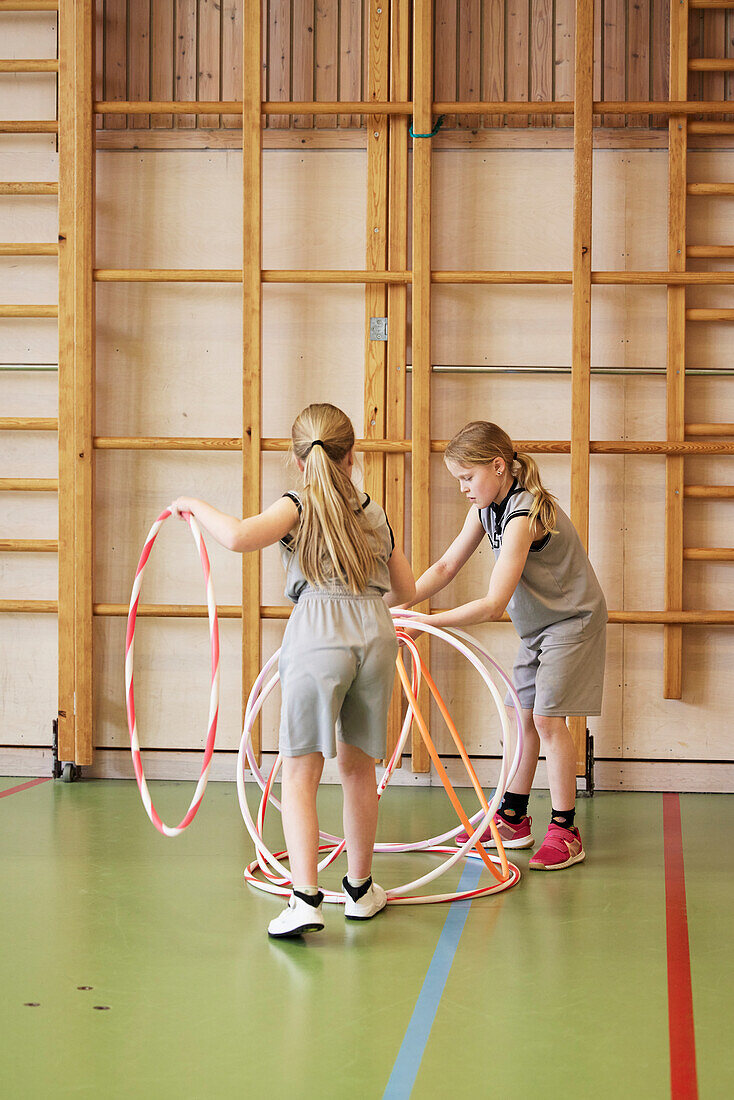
(561,679)
(337,667)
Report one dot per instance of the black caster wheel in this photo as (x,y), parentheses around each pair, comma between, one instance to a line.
(70,773)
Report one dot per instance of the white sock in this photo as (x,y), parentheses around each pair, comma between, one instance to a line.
(355,883)
(310,891)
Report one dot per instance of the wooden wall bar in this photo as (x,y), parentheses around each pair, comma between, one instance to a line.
(484,51)
(581,298)
(251,345)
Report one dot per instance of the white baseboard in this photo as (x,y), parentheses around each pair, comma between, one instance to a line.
(609,775)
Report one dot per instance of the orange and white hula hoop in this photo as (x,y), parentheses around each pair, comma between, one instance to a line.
(170,830)
(268,873)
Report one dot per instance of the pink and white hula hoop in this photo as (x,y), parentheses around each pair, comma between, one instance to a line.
(169,830)
(268,873)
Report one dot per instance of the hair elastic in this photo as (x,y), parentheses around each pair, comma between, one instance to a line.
(316,443)
(514,456)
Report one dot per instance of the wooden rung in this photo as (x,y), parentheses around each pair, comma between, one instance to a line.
(29,5)
(722,128)
(710,189)
(708,553)
(29,188)
(29,311)
(29,250)
(390,277)
(30,65)
(710,315)
(29,546)
(234,107)
(214,443)
(711,64)
(662,107)
(169,611)
(29,126)
(29,485)
(711,4)
(26,607)
(233,275)
(710,251)
(226,611)
(717,430)
(404,446)
(709,492)
(29,424)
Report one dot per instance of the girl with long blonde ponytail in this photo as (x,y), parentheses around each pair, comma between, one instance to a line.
(337,661)
(543,578)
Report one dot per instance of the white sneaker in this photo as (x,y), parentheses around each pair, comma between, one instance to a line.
(298,917)
(370,899)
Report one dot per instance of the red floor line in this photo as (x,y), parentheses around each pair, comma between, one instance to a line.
(24,786)
(683,1078)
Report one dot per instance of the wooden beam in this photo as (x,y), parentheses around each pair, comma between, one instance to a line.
(676,354)
(397,303)
(421,329)
(581,298)
(84,374)
(375,357)
(66,747)
(251,340)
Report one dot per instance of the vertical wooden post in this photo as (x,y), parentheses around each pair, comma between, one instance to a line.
(676,365)
(84,381)
(251,337)
(421,337)
(376,250)
(581,296)
(66,741)
(397,299)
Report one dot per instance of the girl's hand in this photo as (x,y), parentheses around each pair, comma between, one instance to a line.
(179,505)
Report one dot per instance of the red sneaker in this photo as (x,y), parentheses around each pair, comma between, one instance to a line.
(561,848)
(512,836)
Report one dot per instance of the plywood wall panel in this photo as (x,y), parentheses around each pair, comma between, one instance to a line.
(172,682)
(28,647)
(169,363)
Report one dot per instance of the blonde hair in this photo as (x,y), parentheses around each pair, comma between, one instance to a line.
(333,546)
(479,443)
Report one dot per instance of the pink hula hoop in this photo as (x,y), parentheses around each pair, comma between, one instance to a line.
(170,830)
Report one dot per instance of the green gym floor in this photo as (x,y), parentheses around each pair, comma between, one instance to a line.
(138,966)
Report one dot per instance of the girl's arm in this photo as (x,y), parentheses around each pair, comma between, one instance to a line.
(448,565)
(242,535)
(506,574)
(402,581)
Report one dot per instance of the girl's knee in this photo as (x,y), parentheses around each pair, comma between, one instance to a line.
(550,726)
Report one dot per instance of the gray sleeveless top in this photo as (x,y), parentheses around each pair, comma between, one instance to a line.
(374,517)
(558,593)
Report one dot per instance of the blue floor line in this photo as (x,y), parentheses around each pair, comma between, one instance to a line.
(407,1063)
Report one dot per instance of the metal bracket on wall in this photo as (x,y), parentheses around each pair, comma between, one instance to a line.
(378,328)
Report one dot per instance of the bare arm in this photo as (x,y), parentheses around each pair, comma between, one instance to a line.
(451,561)
(402,582)
(242,535)
(506,574)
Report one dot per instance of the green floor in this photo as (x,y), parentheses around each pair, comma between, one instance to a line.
(558,988)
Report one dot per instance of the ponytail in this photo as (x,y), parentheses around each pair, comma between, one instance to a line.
(332,544)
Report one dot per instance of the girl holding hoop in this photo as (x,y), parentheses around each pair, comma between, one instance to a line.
(337,662)
(543,578)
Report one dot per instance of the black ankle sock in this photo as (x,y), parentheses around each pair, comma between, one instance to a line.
(564,818)
(310,899)
(356,892)
(514,807)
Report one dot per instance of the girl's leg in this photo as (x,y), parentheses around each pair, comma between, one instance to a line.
(357,773)
(523,780)
(560,756)
(300,781)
